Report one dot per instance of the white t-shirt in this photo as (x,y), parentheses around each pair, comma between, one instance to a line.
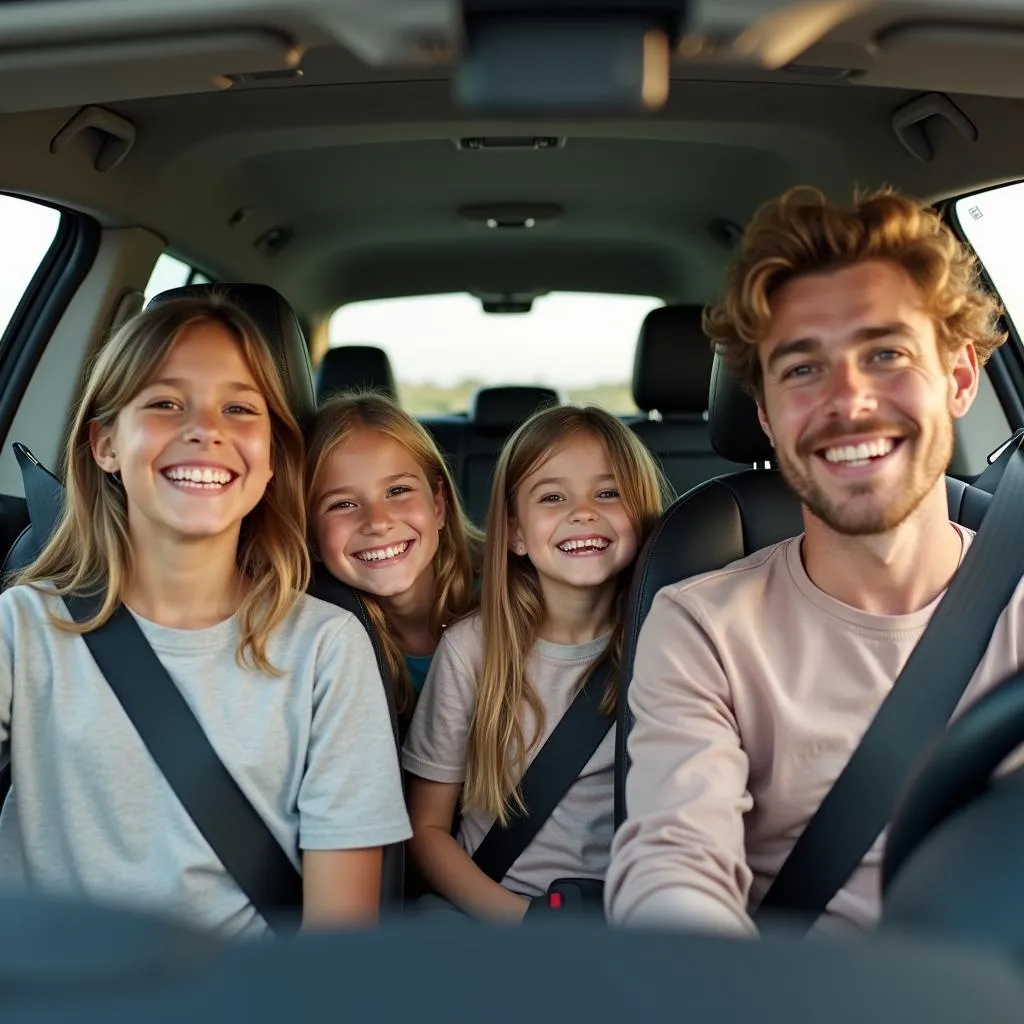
(576,840)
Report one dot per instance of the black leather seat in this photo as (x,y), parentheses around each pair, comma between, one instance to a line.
(494,415)
(671,379)
(355,367)
(276,319)
(723,520)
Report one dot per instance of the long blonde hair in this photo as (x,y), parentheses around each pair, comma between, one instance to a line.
(460,543)
(512,608)
(90,551)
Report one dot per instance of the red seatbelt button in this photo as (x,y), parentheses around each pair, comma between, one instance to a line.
(555,901)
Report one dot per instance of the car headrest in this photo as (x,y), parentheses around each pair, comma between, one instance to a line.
(500,410)
(672,365)
(277,322)
(355,367)
(733,427)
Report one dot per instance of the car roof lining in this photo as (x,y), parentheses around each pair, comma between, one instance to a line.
(358,163)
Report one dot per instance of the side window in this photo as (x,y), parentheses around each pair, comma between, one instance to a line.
(27,230)
(170,272)
(991,222)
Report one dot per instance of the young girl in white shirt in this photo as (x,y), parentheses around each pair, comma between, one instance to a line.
(575,495)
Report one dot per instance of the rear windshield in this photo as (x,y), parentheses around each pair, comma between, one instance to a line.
(443,347)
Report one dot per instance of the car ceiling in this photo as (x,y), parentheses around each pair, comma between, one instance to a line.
(355,162)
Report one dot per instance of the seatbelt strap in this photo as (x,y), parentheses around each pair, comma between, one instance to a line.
(550,775)
(174,738)
(916,711)
(239,837)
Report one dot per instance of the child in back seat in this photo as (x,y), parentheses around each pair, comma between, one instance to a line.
(184,504)
(575,495)
(386,520)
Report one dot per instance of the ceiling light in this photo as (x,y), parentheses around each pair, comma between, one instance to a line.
(511,215)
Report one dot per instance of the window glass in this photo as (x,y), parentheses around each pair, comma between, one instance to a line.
(992,221)
(443,347)
(170,272)
(29,229)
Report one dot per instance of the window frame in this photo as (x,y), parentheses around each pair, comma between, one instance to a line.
(43,303)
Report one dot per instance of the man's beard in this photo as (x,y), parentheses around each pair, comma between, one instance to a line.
(855,515)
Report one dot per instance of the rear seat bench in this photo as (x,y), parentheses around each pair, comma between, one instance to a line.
(354,368)
(472,445)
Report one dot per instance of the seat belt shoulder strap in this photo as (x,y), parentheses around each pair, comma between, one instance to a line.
(917,709)
(221,812)
(550,775)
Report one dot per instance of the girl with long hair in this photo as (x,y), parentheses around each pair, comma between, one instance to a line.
(386,520)
(575,495)
(184,505)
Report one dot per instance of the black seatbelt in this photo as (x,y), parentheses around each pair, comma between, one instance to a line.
(916,711)
(550,775)
(173,736)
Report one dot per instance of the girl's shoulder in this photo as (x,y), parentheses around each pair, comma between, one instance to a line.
(311,618)
(31,599)
(27,615)
(466,636)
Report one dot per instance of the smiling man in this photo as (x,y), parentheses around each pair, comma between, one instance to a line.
(860,333)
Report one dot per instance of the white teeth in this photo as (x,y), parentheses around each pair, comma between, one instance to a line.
(382,554)
(199,474)
(589,543)
(858,454)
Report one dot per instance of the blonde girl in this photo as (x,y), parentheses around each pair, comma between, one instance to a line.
(575,495)
(386,520)
(184,504)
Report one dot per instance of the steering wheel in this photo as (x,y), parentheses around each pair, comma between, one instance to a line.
(956,843)
(957,771)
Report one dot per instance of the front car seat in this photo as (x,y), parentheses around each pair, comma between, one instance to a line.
(723,520)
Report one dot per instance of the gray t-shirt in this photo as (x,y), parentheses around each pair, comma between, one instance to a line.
(576,839)
(90,815)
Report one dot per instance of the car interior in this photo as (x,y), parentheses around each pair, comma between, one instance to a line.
(321,159)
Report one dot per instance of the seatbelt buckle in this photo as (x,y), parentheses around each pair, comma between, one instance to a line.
(575,894)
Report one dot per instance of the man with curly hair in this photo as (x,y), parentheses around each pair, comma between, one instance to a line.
(860,333)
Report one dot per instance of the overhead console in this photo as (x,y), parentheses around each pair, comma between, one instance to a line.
(503,56)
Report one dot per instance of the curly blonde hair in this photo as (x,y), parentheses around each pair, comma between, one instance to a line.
(802,233)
